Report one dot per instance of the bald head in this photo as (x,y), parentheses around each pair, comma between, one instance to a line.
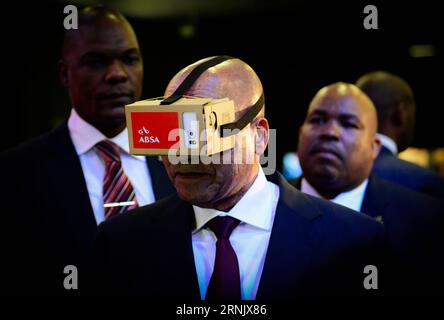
(350,97)
(337,142)
(394,102)
(233,79)
(221,185)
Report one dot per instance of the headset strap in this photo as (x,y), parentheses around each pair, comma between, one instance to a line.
(226,129)
(192,77)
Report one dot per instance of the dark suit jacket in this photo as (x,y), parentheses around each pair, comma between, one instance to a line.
(415,233)
(316,249)
(49,205)
(412,176)
(414,226)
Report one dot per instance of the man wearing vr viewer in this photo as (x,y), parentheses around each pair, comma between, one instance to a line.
(230,233)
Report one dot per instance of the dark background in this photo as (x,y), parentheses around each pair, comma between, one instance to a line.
(296,47)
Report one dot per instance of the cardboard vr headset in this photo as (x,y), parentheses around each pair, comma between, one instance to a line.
(180,125)
(190,126)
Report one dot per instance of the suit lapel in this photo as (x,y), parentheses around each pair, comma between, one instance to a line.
(175,253)
(291,248)
(375,199)
(296,182)
(68,189)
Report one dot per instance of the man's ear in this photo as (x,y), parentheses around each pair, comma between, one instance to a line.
(376,147)
(63,73)
(262,135)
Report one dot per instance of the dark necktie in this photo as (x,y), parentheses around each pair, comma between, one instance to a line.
(118,193)
(225,280)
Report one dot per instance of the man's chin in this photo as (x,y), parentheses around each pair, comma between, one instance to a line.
(327,175)
(110,125)
(193,198)
(113,118)
(114,112)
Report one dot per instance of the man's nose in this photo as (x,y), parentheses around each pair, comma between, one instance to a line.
(331,131)
(116,73)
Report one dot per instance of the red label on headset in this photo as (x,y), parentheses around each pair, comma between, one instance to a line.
(155,129)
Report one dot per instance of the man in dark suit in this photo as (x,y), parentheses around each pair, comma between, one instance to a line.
(337,146)
(64,183)
(395,106)
(230,233)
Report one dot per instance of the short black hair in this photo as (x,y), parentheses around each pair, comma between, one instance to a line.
(386,90)
(90,16)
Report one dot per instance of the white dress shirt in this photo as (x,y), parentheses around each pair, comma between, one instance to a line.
(351,199)
(256,211)
(84,137)
(388,142)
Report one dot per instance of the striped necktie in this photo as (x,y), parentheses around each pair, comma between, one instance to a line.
(118,193)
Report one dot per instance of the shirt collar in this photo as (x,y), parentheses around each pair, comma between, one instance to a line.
(351,199)
(388,142)
(254,208)
(85,136)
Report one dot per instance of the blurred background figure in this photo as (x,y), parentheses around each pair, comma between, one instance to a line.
(437,160)
(418,156)
(395,105)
